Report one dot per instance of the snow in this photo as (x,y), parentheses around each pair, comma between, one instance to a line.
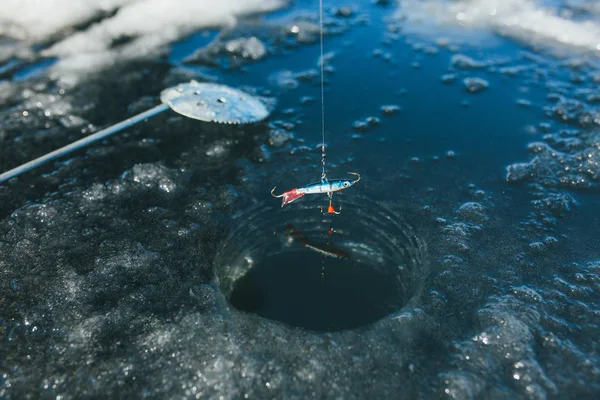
(144,26)
(530,21)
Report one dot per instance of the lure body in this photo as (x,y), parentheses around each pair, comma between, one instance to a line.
(325,186)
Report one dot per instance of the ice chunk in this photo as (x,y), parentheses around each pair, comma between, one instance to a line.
(461,61)
(366,124)
(278,137)
(284,80)
(390,109)
(475,85)
(251,48)
(473,211)
(448,78)
(153,176)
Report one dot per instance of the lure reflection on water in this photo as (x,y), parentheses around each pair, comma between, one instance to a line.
(326,249)
(273,267)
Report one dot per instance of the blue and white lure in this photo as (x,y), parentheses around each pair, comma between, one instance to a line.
(325,186)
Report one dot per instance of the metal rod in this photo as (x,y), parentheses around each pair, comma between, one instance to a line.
(82,142)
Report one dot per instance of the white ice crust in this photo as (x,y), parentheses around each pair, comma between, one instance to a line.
(530,21)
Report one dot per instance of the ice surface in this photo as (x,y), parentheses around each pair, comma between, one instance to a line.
(251,48)
(35,20)
(569,157)
(461,61)
(390,109)
(475,84)
(108,259)
(530,21)
(145,26)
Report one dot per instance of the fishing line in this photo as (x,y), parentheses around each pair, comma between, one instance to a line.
(322,62)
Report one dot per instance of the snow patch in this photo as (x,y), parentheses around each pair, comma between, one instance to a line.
(138,28)
(35,20)
(526,20)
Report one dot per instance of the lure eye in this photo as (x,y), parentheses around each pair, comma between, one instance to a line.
(346,184)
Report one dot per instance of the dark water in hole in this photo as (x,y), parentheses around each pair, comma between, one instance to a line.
(302,289)
(153,264)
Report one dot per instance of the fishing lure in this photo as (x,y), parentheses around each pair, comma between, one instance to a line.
(325,186)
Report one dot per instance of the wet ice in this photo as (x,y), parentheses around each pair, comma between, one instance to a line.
(475,84)
(111,260)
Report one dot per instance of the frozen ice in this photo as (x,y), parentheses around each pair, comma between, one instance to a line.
(473,211)
(366,124)
(475,85)
(34,20)
(153,176)
(448,78)
(149,24)
(531,21)
(523,103)
(306,32)
(7,90)
(109,267)
(278,137)
(251,48)
(343,12)
(239,45)
(284,80)
(390,109)
(461,61)
(517,172)
(566,158)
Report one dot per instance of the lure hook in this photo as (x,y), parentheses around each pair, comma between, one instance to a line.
(357,174)
(276,195)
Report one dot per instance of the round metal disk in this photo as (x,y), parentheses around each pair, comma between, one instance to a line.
(214,103)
